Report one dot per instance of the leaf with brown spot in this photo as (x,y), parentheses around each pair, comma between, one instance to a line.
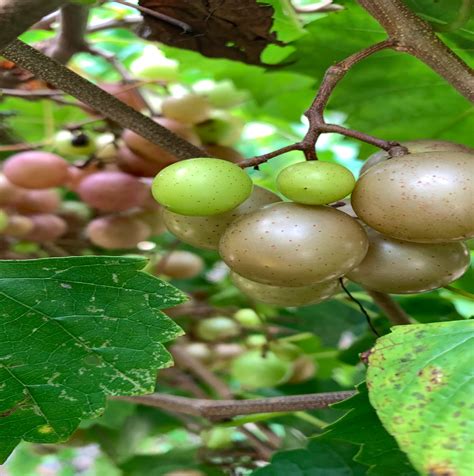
(234,29)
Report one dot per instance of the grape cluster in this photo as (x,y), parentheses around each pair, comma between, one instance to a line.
(403,231)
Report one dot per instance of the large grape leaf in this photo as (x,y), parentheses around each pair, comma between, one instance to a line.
(72,332)
(421,384)
(361,426)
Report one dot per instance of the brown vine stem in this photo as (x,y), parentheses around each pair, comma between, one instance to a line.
(224,409)
(394,312)
(66,80)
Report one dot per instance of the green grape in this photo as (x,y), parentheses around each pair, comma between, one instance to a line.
(220,94)
(218,438)
(71,143)
(315,182)
(201,186)
(248,318)
(153,65)
(403,267)
(205,232)
(256,369)
(217,328)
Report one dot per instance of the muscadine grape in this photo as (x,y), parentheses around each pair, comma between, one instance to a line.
(153,65)
(8,191)
(416,147)
(256,369)
(402,267)
(220,94)
(154,152)
(77,173)
(134,164)
(75,209)
(106,148)
(205,232)
(180,265)
(256,341)
(227,350)
(112,191)
(426,198)
(37,201)
(153,218)
(217,328)
(36,169)
(315,182)
(199,351)
(46,227)
(189,109)
(220,128)
(288,244)
(201,186)
(224,152)
(248,318)
(18,226)
(117,232)
(74,143)
(286,296)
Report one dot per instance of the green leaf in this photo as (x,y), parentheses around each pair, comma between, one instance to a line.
(421,384)
(361,425)
(74,331)
(319,459)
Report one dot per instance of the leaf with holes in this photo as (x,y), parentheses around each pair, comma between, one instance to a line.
(72,332)
(421,384)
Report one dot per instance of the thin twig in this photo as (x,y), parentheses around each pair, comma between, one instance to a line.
(225,409)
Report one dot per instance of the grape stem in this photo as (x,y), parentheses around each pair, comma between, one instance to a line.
(216,410)
(394,312)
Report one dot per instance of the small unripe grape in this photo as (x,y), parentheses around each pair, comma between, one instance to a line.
(37,201)
(74,143)
(180,265)
(228,350)
(256,341)
(248,318)
(106,148)
(117,232)
(8,192)
(153,65)
(403,267)
(217,438)
(286,296)
(304,368)
(77,211)
(18,226)
(112,191)
(416,147)
(205,232)
(220,128)
(425,198)
(257,370)
(189,109)
(46,227)
(220,94)
(202,186)
(35,169)
(315,182)
(293,245)
(154,152)
(134,164)
(224,152)
(217,328)
(199,351)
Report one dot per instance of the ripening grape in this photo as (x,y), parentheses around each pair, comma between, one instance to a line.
(18,226)
(199,351)
(202,186)
(315,182)
(37,201)
(74,143)
(189,109)
(77,173)
(46,227)
(288,244)
(248,318)
(134,164)
(426,198)
(285,296)
(217,328)
(117,232)
(205,232)
(227,351)
(220,128)
(180,265)
(76,210)
(256,369)
(112,191)
(153,218)
(417,147)
(403,267)
(36,169)
(154,152)
(153,65)
(220,94)
(106,148)
(8,191)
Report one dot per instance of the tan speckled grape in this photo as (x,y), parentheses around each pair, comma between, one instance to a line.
(201,187)
(426,198)
(205,232)
(403,267)
(417,147)
(288,244)
(286,296)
